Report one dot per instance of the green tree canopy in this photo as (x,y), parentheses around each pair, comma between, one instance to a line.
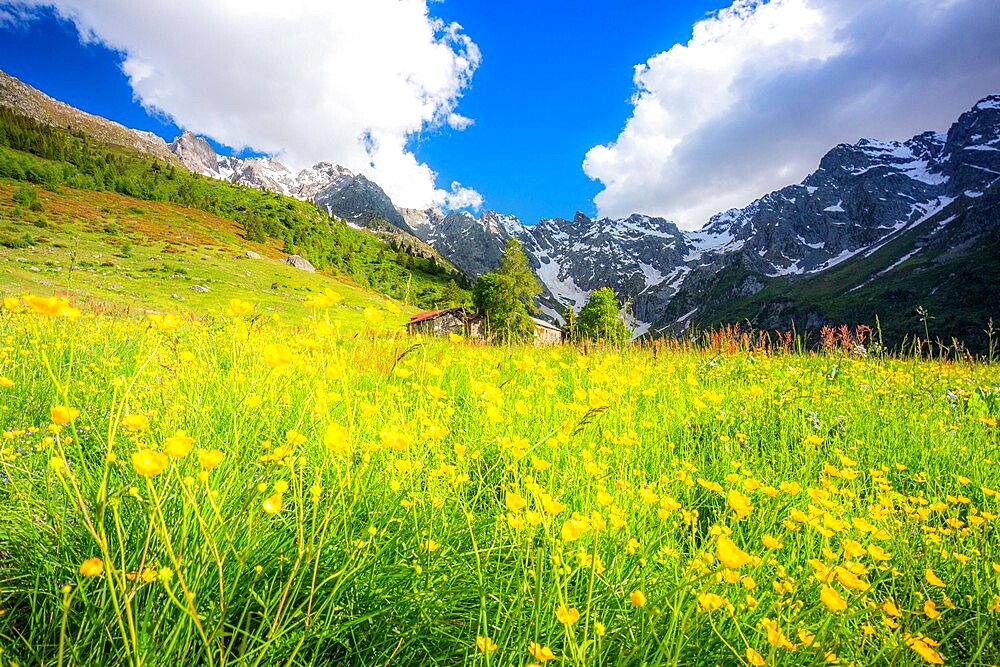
(601,318)
(505,316)
(514,265)
(571,331)
(452,295)
(505,296)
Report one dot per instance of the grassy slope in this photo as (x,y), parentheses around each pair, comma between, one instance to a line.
(54,158)
(173,248)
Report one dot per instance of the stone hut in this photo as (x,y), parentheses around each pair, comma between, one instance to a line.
(444,322)
(469,324)
(546,333)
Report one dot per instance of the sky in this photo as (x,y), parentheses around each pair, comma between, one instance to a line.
(539,108)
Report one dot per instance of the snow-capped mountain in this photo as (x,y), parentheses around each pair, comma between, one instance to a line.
(861,199)
(864,201)
(332,187)
(880,225)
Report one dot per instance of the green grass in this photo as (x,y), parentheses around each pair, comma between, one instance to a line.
(120,254)
(37,157)
(390,500)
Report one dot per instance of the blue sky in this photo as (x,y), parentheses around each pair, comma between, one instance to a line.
(531,108)
(555,80)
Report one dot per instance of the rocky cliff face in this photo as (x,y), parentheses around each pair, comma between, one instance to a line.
(863,202)
(358,200)
(196,154)
(349,196)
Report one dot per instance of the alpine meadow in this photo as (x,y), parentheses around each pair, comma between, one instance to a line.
(286,382)
(246,491)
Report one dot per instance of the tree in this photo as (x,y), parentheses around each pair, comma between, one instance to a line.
(452,295)
(505,316)
(514,265)
(571,331)
(601,318)
(505,296)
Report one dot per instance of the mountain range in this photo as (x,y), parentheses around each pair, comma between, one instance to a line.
(877,230)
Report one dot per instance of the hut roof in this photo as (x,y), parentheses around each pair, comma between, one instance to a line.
(460,313)
(428,315)
(545,325)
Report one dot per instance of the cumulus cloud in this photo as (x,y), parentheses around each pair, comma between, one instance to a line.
(305,80)
(763,90)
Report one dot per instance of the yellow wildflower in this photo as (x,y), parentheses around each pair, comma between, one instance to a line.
(710,601)
(209,459)
(729,554)
(485,644)
(238,308)
(739,503)
(337,438)
(515,502)
(775,637)
(771,542)
(277,355)
(149,463)
(933,579)
(136,422)
(540,653)
(890,608)
(878,553)
(273,503)
(62,415)
(92,567)
(567,616)
(831,598)
(923,649)
(178,445)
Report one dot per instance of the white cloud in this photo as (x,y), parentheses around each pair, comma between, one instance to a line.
(462,197)
(11,16)
(763,90)
(306,80)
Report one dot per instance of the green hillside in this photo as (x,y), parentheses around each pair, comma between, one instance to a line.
(66,186)
(121,254)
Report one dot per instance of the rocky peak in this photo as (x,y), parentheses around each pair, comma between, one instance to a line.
(423,222)
(500,225)
(320,176)
(972,148)
(264,173)
(978,129)
(195,153)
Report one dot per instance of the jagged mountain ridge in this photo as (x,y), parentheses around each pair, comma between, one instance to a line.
(334,188)
(859,200)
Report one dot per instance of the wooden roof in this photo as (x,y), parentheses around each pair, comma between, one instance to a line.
(460,313)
